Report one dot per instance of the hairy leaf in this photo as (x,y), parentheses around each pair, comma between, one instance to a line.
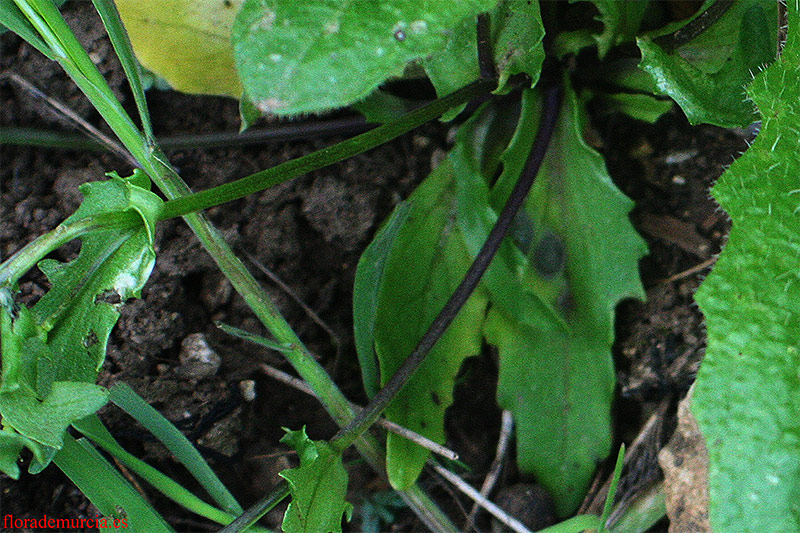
(706,74)
(621,21)
(53,351)
(318,487)
(426,262)
(186,42)
(553,288)
(301,56)
(747,397)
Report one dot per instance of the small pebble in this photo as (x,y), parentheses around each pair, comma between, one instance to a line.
(248,389)
(198,360)
(677,179)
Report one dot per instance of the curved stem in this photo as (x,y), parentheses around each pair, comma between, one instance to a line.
(26,258)
(327,156)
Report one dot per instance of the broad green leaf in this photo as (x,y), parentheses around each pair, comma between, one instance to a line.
(706,75)
(309,56)
(53,351)
(186,42)
(426,262)
(621,21)
(318,487)
(747,398)
(553,289)
(366,290)
(516,42)
(45,421)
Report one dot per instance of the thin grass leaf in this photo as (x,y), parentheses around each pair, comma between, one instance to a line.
(122,46)
(612,490)
(12,18)
(106,488)
(130,402)
(252,337)
(94,429)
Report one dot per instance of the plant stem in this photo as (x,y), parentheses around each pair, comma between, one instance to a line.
(322,158)
(282,132)
(346,436)
(27,257)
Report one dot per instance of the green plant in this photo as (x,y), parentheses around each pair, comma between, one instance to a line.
(518,238)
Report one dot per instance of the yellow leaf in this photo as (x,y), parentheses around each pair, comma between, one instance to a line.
(186,42)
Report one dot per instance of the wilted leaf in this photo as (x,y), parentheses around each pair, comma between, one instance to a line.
(186,42)
(747,398)
(299,57)
(425,263)
(706,75)
(553,289)
(684,461)
(318,487)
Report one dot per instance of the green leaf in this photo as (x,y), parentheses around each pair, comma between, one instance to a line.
(12,18)
(553,289)
(112,494)
(366,290)
(53,351)
(621,21)
(186,42)
(747,400)
(516,42)
(46,421)
(318,487)
(11,445)
(639,106)
(80,309)
(706,75)
(422,269)
(176,443)
(302,56)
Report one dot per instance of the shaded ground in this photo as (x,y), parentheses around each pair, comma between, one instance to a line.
(310,233)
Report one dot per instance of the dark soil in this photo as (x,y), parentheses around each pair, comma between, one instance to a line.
(310,233)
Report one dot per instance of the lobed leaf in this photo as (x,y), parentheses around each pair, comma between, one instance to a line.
(318,487)
(300,56)
(53,351)
(553,289)
(621,21)
(516,35)
(706,75)
(747,397)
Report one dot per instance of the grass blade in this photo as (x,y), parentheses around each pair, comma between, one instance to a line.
(122,45)
(94,429)
(130,402)
(106,488)
(12,18)
(612,490)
